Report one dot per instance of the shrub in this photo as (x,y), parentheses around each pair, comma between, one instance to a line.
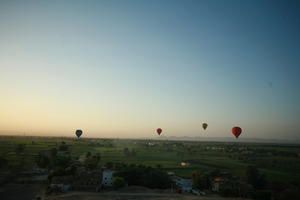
(118,182)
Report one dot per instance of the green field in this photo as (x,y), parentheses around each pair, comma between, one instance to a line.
(278,162)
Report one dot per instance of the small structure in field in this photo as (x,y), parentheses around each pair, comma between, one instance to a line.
(184,163)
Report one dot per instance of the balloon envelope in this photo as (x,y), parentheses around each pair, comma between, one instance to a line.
(78,133)
(204,125)
(159,130)
(236,131)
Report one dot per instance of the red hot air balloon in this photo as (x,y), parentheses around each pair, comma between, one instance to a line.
(159,130)
(236,131)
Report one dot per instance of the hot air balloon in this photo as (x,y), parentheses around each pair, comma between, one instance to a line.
(204,125)
(78,133)
(159,130)
(236,131)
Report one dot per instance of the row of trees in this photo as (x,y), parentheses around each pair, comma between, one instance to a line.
(232,186)
(92,161)
(51,159)
(145,176)
(255,185)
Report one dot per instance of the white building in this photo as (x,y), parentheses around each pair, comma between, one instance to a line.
(186,185)
(107,177)
(184,163)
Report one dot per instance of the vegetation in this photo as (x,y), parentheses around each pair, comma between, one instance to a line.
(258,170)
(20,148)
(145,176)
(256,179)
(201,180)
(118,182)
(277,162)
(92,162)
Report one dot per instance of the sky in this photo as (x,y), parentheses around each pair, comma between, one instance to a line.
(124,68)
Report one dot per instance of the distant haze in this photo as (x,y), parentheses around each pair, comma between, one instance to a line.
(124,68)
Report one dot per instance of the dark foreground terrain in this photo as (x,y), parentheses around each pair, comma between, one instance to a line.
(28,165)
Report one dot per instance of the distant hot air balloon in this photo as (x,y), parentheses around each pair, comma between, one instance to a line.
(204,125)
(159,130)
(236,131)
(78,133)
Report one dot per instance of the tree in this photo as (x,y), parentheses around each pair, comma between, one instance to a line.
(109,165)
(256,179)
(200,181)
(20,148)
(229,190)
(118,182)
(63,161)
(145,176)
(126,151)
(262,195)
(53,152)
(61,171)
(3,162)
(92,162)
(42,161)
(63,147)
(215,173)
(292,193)
(88,154)
(98,155)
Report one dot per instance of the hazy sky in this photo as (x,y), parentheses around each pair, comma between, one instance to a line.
(124,68)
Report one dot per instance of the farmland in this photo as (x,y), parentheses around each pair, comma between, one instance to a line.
(277,162)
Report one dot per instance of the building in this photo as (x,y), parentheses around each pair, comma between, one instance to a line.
(56,188)
(171,174)
(107,177)
(217,183)
(88,180)
(150,144)
(184,163)
(186,185)
(82,181)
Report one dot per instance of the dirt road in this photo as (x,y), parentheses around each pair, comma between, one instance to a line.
(132,196)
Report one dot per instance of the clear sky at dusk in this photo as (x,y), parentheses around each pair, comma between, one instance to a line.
(125,68)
